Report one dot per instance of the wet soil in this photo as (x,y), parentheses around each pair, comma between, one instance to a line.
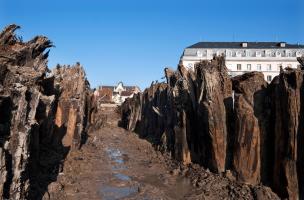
(116,164)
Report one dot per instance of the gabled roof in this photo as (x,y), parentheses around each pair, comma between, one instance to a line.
(250,45)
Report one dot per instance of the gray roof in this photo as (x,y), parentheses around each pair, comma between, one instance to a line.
(250,45)
(107,87)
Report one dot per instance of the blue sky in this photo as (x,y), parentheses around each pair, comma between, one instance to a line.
(132,40)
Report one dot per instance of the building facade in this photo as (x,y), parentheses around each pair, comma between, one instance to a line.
(242,57)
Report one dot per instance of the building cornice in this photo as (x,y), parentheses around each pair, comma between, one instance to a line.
(241,59)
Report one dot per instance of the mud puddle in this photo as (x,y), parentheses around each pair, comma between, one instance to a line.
(122,177)
(121,185)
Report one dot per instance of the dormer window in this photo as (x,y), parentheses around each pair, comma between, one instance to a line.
(282,44)
(244,44)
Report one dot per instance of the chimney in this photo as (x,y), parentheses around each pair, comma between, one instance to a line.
(282,44)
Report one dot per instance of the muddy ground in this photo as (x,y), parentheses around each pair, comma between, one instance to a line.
(116,164)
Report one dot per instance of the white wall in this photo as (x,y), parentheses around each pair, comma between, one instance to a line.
(192,56)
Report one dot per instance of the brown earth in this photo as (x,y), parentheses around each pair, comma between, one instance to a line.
(116,164)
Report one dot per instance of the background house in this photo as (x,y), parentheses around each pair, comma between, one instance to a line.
(116,94)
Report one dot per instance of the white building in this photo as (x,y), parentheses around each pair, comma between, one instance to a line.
(118,94)
(242,57)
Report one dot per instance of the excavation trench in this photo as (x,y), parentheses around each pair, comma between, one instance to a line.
(116,164)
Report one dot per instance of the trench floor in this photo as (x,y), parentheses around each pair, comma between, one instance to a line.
(116,164)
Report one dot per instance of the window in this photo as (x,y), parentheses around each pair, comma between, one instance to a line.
(247,53)
(190,65)
(228,53)
(269,78)
(239,67)
(298,54)
(248,66)
(258,54)
(238,54)
(199,54)
(288,54)
(259,67)
(269,67)
(278,54)
(279,67)
(208,53)
(268,53)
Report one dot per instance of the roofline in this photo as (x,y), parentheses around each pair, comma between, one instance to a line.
(295,46)
(244,48)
